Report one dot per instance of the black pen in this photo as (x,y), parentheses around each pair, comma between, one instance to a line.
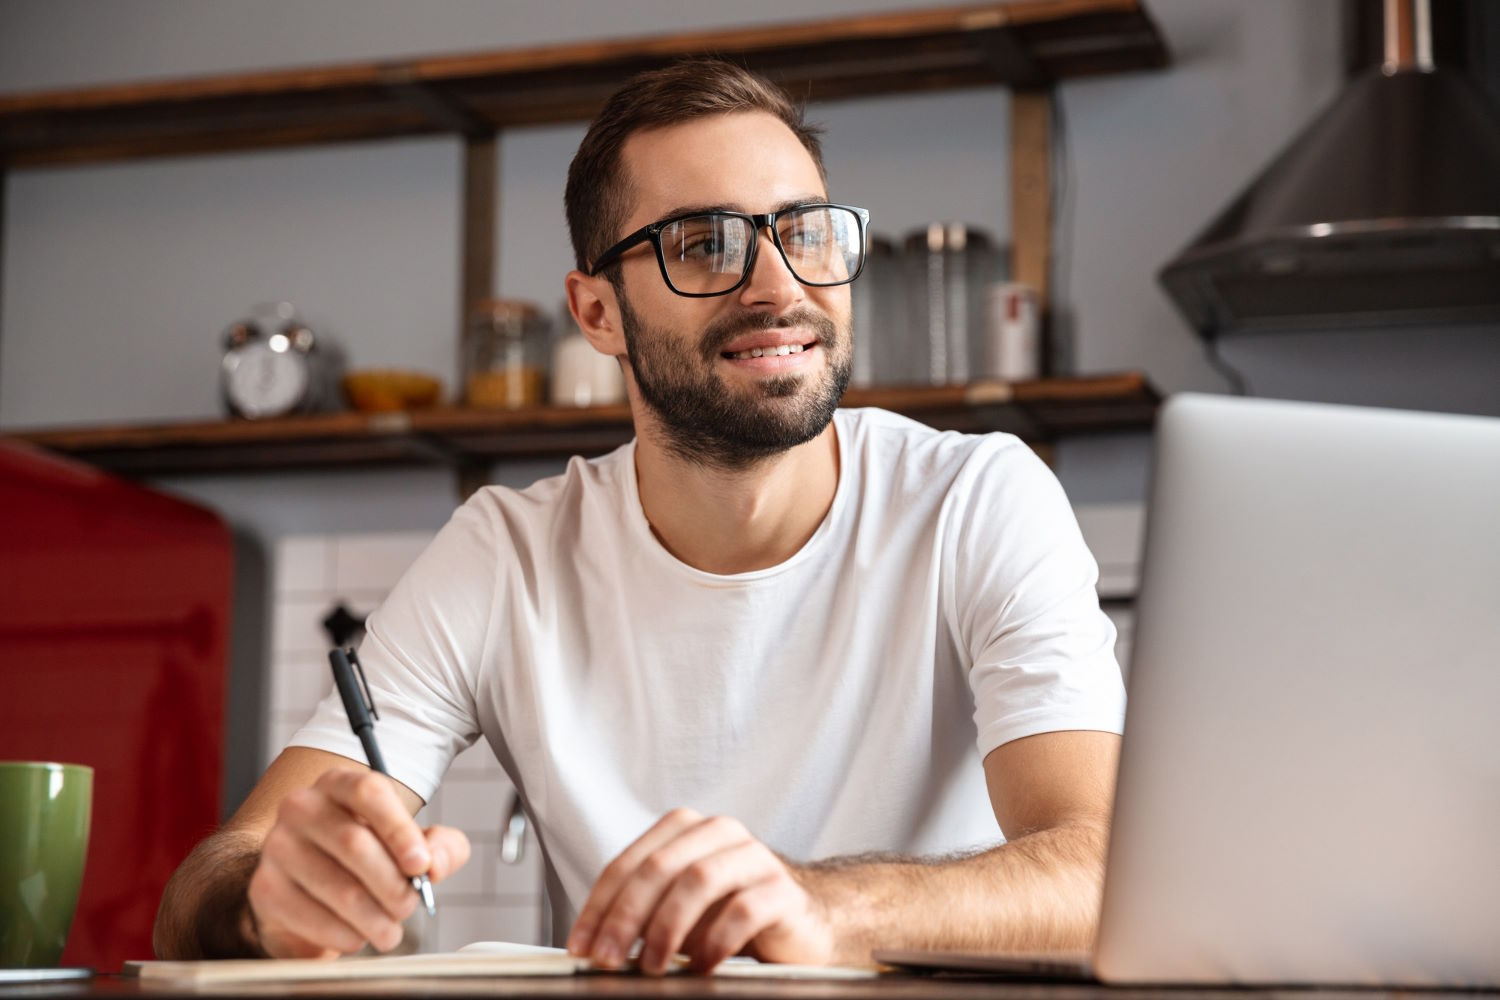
(360,708)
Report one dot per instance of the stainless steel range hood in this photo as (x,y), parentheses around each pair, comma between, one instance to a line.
(1384,211)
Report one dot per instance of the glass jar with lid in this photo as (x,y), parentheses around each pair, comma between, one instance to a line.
(884,352)
(507,351)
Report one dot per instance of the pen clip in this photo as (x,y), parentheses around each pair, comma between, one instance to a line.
(364,685)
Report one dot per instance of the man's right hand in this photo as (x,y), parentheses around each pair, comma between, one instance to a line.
(335,869)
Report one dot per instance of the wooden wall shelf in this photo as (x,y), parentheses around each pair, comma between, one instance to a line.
(1024,44)
(1021,43)
(1037,411)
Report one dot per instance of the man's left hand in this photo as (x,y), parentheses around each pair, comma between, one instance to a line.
(706,887)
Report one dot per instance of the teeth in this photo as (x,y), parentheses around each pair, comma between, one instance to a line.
(763,352)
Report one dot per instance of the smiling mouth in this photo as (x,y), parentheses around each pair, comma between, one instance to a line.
(768,352)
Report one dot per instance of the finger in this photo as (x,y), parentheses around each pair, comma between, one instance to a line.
(701,883)
(270,896)
(634,904)
(329,880)
(372,797)
(449,848)
(346,897)
(581,938)
(742,918)
(282,909)
(693,943)
(317,819)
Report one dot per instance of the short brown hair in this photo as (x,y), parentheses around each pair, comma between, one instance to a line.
(598,195)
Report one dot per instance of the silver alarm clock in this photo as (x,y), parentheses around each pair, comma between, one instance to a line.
(274,365)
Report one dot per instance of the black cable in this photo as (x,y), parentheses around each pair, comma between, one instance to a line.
(1238,384)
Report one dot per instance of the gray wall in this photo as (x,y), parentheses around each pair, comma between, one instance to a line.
(118,278)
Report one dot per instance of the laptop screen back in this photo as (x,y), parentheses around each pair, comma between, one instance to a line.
(1310,783)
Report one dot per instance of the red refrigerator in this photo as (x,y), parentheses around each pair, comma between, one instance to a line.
(114,624)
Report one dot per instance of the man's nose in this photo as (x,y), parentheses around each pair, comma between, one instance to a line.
(771,282)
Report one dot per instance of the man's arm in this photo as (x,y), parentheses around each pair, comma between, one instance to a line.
(313,864)
(706,887)
(1039,891)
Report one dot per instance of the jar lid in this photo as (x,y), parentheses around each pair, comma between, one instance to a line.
(953,237)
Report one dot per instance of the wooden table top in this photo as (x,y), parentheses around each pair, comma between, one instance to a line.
(896,987)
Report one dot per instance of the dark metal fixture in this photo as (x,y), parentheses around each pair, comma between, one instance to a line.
(343,625)
(1384,211)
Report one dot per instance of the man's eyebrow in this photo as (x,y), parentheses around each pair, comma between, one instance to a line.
(680,210)
(673,213)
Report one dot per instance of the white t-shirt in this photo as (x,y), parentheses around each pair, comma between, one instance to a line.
(838,703)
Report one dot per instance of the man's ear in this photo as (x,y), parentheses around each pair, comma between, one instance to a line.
(596,311)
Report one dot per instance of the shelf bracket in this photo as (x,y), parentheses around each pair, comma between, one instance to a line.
(444,110)
(1031,204)
(1009,58)
(480,220)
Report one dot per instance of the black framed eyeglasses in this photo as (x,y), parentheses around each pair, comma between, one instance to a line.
(712,253)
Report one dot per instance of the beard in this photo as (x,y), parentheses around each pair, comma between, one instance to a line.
(706,422)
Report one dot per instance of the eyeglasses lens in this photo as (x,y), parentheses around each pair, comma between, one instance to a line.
(706,254)
(821,245)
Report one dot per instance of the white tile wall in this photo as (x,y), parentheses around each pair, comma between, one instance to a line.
(304,564)
(471,882)
(486,900)
(297,627)
(1124,619)
(1114,533)
(301,679)
(477,805)
(477,761)
(374,562)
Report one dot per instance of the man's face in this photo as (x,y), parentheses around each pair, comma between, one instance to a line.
(690,357)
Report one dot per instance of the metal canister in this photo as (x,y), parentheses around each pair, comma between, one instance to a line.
(948,267)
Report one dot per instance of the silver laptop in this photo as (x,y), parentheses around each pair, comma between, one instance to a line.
(1310,782)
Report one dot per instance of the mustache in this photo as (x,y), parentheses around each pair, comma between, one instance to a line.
(722,331)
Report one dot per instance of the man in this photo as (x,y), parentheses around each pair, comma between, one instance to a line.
(731,667)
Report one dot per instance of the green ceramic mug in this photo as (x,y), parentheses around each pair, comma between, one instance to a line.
(44,837)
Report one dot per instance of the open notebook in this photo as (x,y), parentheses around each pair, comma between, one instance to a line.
(486,959)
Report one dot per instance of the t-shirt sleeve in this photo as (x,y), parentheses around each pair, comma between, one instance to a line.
(421,653)
(1024,604)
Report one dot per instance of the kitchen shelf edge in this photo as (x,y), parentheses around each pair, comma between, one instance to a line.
(1038,411)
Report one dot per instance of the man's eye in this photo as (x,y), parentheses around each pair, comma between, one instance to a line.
(805,237)
(703,247)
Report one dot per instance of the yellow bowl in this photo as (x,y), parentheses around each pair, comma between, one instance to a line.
(386,390)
